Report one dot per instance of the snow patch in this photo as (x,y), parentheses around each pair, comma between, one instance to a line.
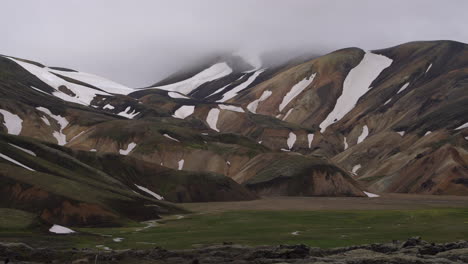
(15,162)
(169,137)
(118,239)
(12,122)
(128,113)
(345,142)
(146,190)
(462,126)
(355,85)
(184,111)
(310,138)
(254,104)
(96,81)
(401,133)
(177,95)
(83,94)
(77,136)
(356,168)
(219,90)
(23,149)
(291,140)
(403,87)
(130,147)
(288,113)
(58,229)
(61,121)
(427,133)
(39,90)
(371,195)
(45,120)
(212,118)
(181,164)
(234,91)
(295,233)
(296,90)
(364,134)
(108,106)
(428,68)
(388,101)
(214,72)
(231,108)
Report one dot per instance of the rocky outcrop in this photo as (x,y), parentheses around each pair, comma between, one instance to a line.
(296,175)
(414,250)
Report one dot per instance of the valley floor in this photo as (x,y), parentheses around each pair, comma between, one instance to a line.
(314,221)
(391,201)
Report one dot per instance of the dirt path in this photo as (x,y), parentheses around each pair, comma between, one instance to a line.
(385,202)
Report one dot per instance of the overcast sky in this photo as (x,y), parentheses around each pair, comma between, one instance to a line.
(137,42)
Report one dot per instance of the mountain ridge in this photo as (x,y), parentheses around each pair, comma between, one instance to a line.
(347,123)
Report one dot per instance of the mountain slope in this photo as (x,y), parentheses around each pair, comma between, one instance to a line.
(158,128)
(69,187)
(390,120)
(416,88)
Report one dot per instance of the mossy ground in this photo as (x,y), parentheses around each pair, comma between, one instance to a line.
(12,219)
(315,228)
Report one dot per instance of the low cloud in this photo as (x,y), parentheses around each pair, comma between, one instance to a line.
(140,42)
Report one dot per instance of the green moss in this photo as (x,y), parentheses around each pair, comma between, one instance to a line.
(63,177)
(16,219)
(324,229)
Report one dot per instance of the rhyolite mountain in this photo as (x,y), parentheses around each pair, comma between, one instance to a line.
(79,149)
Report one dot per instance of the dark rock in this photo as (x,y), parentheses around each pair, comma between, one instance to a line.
(412,251)
(64,89)
(414,241)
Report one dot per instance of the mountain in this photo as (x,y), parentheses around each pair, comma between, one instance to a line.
(394,118)
(347,123)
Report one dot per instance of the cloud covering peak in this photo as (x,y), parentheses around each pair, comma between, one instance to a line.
(140,42)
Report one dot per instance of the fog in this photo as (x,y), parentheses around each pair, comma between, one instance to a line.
(140,42)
